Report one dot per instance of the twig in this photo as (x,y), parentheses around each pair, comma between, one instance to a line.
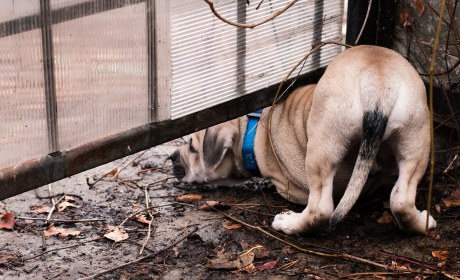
(52,209)
(91,185)
(151,220)
(407,260)
(288,265)
(161,180)
(258,6)
(121,169)
(341,255)
(250,25)
(443,72)
(156,206)
(143,258)
(62,221)
(364,23)
(266,201)
(153,168)
(302,270)
(56,249)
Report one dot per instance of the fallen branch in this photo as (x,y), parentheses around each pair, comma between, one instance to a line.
(143,258)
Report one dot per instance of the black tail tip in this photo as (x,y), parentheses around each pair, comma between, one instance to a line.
(335,219)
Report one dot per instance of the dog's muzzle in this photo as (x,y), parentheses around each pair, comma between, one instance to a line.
(178,170)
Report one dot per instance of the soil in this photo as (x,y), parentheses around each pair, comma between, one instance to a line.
(362,233)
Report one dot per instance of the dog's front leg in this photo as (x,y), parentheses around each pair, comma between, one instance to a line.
(320,204)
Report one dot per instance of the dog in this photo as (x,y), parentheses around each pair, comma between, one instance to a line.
(366,119)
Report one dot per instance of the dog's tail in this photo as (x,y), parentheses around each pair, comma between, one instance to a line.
(374,126)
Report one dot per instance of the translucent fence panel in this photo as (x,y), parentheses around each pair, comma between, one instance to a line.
(13,9)
(101,74)
(213,62)
(23,130)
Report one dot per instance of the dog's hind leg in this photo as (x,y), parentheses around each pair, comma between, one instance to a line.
(323,156)
(412,157)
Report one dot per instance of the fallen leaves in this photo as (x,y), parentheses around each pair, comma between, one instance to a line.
(442,255)
(118,234)
(141,219)
(420,7)
(453,200)
(216,204)
(64,205)
(7,221)
(385,219)
(228,224)
(189,197)
(404,17)
(222,261)
(61,232)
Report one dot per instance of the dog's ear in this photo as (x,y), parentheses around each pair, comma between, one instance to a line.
(216,143)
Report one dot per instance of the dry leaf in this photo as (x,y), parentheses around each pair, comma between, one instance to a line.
(222,262)
(442,264)
(228,224)
(441,254)
(258,252)
(52,230)
(265,266)
(69,198)
(385,219)
(249,269)
(7,221)
(216,204)
(112,173)
(453,200)
(29,221)
(43,209)
(63,206)
(137,207)
(420,7)
(72,233)
(141,219)
(403,16)
(438,208)
(117,235)
(189,197)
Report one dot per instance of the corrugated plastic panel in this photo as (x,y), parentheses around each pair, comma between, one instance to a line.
(13,9)
(22,101)
(213,62)
(101,74)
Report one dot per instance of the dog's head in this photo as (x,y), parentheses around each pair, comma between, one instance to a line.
(209,156)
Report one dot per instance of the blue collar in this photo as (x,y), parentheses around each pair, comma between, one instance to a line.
(249,157)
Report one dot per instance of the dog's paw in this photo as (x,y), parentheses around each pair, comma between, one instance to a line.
(431,221)
(287,222)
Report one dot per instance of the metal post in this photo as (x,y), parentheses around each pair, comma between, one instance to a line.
(241,48)
(152,61)
(48,67)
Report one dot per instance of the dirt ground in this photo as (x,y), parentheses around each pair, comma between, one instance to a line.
(367,232)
